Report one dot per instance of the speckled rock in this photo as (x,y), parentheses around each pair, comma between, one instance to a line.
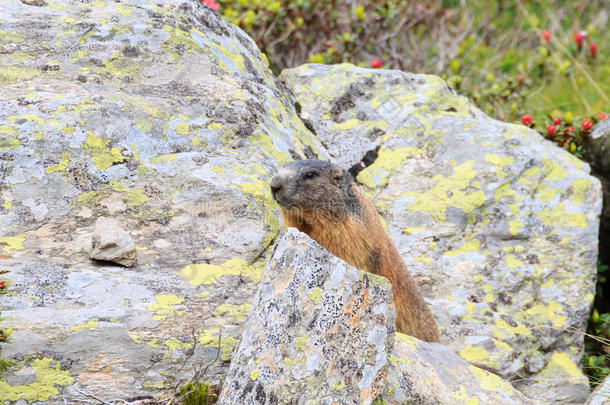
(498,225)
(601,395)
(160,115)
(430,373)
(111,243)
(319,331)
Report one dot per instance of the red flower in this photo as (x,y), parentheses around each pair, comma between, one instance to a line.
(2,283)
(602,116)
(546,35)
(526,119)
(376,63)
(587,125)
(211,4)
(556,121)
(579,37)
(551,130)
(571,129)
(593,49)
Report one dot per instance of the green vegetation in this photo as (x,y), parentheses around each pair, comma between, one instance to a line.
(511,58)
(597,344)
(544,64)
(199,394)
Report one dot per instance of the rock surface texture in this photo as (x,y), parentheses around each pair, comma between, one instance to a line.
(498,226)
(111,243)
(142,111)
(319,331)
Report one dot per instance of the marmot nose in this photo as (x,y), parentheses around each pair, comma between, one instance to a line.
(276,185)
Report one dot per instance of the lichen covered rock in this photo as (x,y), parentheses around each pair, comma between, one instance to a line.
(142,111)
(498,225)
(430,373)
(319,331)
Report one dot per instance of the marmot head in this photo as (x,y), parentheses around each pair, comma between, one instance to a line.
(314,185)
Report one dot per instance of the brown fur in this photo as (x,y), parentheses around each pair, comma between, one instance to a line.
(353,232)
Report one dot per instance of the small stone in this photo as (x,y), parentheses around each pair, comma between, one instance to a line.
(112,243)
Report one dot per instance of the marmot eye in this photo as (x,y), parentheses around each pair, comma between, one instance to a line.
(310,175)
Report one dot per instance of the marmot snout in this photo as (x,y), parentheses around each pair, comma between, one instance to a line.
(322,200)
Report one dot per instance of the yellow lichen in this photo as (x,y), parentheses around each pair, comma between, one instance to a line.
(11,243)
(300,343)
(165,305)
(61,166)
(449,192)
(475,354)
(561,363)
(209,337)
(8,137)
(339,386)
(239,312)
(315,295)
(410,340)
(49,376)
(581,189)
(503,326)
(553,170)
(512,262)
(553,312)
(490,382)
(182,128)
(163,158)
(499,162)
(467,247)
(462,395)
(88,325)
(102,155)
(559,217)
(203,273)
(514,226)
(387,161)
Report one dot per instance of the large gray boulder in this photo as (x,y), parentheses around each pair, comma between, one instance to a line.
(167,119)
(319,331)
(498,225)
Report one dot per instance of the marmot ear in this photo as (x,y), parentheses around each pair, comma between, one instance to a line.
(338,173)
